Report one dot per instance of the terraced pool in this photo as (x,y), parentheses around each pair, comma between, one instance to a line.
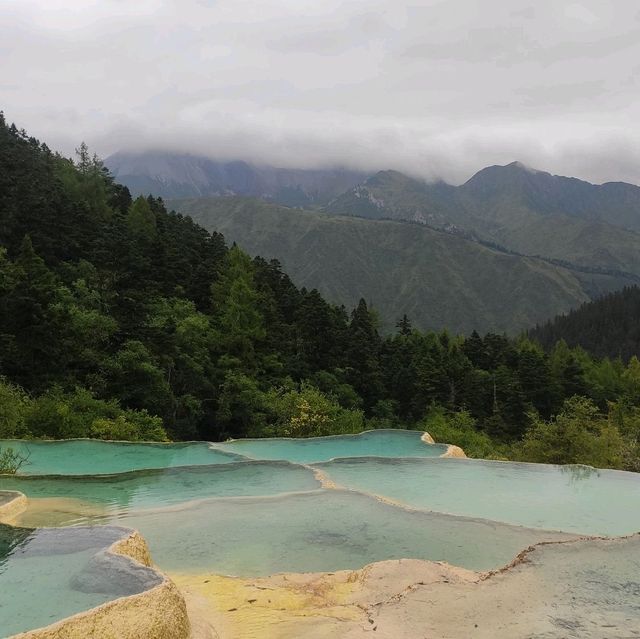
(92,457)
(258,507)
(576,499)
(377,443)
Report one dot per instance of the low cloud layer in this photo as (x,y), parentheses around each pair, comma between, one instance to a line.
(436,88)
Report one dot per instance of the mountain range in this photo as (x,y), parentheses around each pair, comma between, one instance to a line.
(173,175)
(508,249)
(523,210)
(437,278)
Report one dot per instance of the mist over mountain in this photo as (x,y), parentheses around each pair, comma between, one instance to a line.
(172,175)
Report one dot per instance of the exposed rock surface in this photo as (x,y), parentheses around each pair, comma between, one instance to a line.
(148,606)
(427,439)
(454,451)
(585,589)
(11,505)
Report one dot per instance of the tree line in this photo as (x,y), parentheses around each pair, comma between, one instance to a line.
(120,319)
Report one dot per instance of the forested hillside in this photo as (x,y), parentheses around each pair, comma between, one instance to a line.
(607,327)
(121,320)
(440,280)
(526,211)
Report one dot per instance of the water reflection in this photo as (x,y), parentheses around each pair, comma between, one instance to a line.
(578,472)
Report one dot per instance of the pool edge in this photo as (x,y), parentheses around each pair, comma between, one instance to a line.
(157,613)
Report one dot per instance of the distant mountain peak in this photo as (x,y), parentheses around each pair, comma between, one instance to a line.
(177,175)
(503,173)
(522,166)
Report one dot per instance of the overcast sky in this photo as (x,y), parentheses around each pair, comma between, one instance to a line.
(433,87)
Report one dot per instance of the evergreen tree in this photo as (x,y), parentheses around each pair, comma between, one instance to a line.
(363,349)
(404,325)
(119,318)
(239,321)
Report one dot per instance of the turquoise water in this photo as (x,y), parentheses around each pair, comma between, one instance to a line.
(114,495)
(47,575)
(315,531)
(92,457)
(383,443)
(573,499)
(210,508)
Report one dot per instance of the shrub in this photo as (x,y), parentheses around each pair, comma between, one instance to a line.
(78,414)
(579,434)
(14,403)
(308,412)
(11,461)
(129,426)
(460,429)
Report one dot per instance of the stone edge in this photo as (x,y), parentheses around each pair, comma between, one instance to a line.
(158,613)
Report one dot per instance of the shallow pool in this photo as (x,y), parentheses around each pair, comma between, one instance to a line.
(314,531)
(47,575)
(112,496)
(374,443)
(93,457)
(575,499)
(214,508)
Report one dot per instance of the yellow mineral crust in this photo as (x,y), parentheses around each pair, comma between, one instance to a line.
(12,504)
(454,451)
(427,439)
(412,599)
(324,480)
(45,512)
(133,546)
(313,605)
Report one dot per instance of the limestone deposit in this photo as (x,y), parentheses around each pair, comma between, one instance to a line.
(12,504)
(157,613)
(539,594)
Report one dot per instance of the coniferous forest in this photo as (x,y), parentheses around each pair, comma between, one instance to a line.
(120,319)
(607,327)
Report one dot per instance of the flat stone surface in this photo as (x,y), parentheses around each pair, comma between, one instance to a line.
(587,589)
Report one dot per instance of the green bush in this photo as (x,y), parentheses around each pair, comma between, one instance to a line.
(14,403)
(62,415)
(78,414)
(459,429)
(579,434)
(626,418)
(129,426)
(308,412)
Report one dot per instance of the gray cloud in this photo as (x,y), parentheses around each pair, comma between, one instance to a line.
(432,87)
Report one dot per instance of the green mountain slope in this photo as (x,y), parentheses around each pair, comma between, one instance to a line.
(438,279)
(529,212)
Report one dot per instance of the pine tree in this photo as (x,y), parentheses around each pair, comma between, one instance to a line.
(362,356)
(404,326)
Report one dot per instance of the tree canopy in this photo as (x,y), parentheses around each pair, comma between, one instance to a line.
(120,319)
